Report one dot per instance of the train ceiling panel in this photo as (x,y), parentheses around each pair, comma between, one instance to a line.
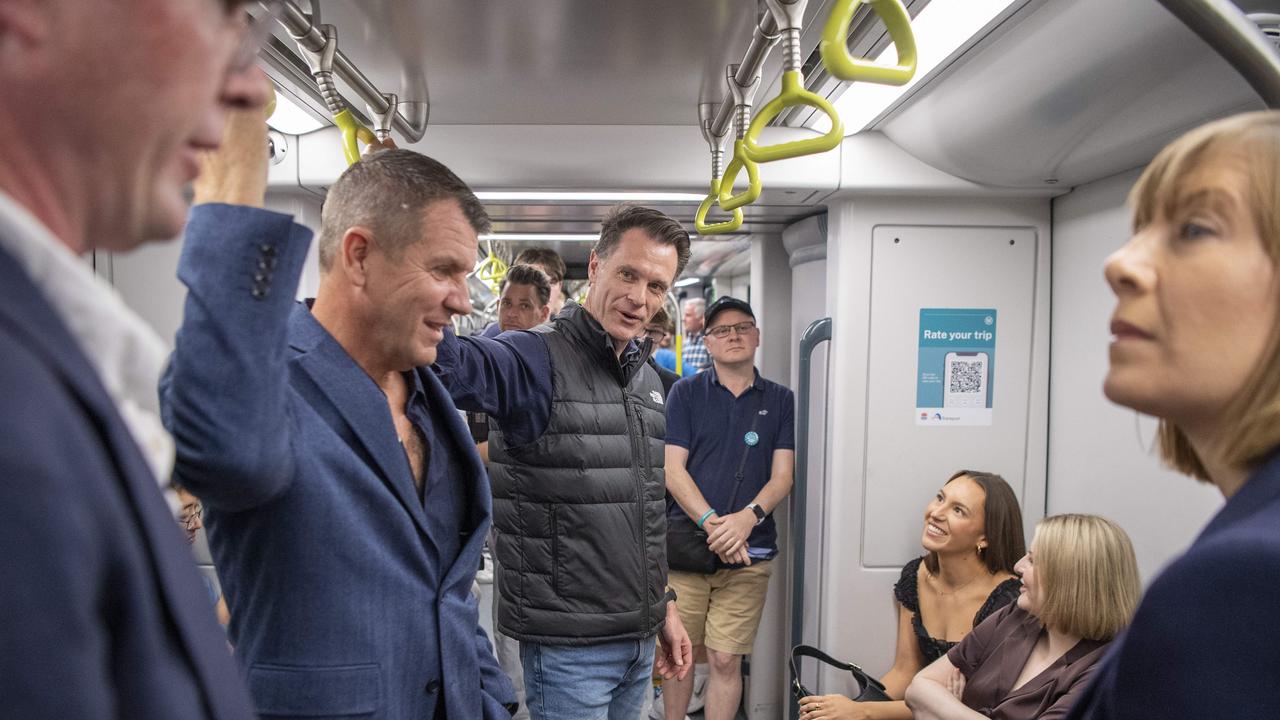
(552,62)
(1062,93)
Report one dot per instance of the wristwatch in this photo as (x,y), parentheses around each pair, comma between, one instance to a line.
(759,512)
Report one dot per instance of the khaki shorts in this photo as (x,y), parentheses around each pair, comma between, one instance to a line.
(722,610)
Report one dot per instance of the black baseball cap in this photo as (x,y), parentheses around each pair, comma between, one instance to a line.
(727,303)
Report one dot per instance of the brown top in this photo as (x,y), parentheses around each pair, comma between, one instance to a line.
(993,655)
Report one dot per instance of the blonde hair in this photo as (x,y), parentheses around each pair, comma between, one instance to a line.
(1088,575)
(1254,139)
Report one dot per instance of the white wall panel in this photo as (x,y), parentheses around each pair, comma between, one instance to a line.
(857,619)
(915,267)
(1100,455)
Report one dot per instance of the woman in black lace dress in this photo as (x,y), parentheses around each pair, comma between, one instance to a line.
(972,537)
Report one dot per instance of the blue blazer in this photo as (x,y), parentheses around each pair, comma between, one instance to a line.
(1204,642)
(102,611)
(342,602)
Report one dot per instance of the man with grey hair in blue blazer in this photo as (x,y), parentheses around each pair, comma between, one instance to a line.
(346,505)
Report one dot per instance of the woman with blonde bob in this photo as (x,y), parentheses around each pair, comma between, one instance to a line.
(1196,344)
(1034,658)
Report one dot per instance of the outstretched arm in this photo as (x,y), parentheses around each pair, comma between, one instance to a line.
(224,393)
(507,377)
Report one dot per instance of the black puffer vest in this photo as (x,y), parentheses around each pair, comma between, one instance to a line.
(580,511)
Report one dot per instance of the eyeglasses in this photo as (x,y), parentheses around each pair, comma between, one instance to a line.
(256,34)
(656,333)
(722,331)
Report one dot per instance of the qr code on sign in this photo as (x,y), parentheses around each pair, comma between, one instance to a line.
(966,377)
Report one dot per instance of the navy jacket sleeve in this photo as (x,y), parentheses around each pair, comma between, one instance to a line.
(224,394)
(508,377)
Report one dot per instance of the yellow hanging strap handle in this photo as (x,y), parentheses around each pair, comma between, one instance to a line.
(321,64)
(835,49)
(743,95)
(491,270)
(707,110)
(352,130)
(790,17)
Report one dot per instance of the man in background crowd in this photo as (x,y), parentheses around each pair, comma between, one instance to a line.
(694,355)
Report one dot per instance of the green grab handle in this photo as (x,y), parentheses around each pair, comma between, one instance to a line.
(352,130)
(835,49)
(793,94)
(700,219)
(729,201)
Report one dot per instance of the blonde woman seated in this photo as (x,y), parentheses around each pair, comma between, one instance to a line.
(972,537)
(1033,658)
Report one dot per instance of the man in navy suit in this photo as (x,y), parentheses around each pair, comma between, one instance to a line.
(345,503)
(104,106)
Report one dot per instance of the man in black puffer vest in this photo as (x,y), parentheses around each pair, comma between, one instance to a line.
(579,493)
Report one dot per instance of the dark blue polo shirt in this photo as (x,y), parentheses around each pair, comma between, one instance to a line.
(704,418)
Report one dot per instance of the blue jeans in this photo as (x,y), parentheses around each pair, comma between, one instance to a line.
(607,681)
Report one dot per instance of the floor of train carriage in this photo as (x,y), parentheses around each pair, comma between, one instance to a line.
(484,578)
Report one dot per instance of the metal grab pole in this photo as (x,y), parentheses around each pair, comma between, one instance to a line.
(410,118)
(1233,36)
(763,38)
(819,331)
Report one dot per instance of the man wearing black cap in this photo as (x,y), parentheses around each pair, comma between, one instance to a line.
(730,456)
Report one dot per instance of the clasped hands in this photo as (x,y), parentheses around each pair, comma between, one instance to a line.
(727,536)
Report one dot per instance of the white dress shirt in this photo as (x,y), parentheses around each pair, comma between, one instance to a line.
(128,355)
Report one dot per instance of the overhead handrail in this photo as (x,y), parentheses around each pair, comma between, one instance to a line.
(1229,32)
(789,15)
(763,38)
(743,96)
(410,119)
(321,64)
(834,46)
(819,331)
(716,143)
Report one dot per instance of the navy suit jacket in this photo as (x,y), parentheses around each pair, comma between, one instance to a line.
(341,602)
(1204,642)
(102,611)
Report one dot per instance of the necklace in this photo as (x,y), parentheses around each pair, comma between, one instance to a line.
(933,581)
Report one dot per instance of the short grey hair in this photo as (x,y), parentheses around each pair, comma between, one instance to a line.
(387,192)
(656,224)
(698,304)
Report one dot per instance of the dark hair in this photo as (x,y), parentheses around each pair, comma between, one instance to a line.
(387,192)
(528,275)
(1001,522)
(656,225)
(547,259)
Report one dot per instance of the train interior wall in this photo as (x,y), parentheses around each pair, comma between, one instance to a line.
(870,474)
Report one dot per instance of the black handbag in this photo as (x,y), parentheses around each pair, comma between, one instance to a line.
(687,549)
(687,546)
(869,688)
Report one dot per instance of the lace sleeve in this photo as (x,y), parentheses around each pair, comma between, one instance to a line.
(1004,594)
(905,590)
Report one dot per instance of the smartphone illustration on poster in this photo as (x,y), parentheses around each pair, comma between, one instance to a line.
(965,380)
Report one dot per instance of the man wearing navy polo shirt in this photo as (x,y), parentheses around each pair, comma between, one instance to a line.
(729,460)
